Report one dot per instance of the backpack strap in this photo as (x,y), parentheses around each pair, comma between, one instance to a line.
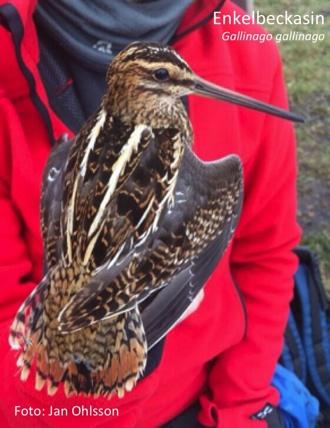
(293,355)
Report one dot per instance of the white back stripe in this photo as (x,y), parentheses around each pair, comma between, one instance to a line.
(92,138)
(118,169)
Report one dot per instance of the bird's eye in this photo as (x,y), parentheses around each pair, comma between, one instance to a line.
(161,74)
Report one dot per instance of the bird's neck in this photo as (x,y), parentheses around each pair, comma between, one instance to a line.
(151,110)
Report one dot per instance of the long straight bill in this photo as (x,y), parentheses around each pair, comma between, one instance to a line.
(207,89)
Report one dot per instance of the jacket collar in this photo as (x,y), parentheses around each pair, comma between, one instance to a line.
(27,48)
(195,16)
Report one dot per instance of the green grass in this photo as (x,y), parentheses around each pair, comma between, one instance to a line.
(307,73)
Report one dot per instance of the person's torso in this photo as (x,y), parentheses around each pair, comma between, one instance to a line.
(219,129)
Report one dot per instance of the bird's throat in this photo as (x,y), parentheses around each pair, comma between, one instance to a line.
(151,109)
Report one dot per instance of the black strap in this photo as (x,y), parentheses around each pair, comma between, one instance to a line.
(11,20)
(186,419)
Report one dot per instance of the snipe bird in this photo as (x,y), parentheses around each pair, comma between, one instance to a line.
(129,213)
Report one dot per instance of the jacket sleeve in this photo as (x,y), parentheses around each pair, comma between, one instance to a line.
(262,265)
(15,265)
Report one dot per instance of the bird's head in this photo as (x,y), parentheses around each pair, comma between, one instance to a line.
(150,67)
(147,80)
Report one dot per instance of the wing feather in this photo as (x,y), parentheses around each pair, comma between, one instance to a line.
(51,198)
(208,198)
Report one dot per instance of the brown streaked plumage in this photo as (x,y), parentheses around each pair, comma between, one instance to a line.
(131,220)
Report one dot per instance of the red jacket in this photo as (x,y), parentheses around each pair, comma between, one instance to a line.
(225,352)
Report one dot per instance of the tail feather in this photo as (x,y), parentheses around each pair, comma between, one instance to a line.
(28,316)
(101,360)
(124,359)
